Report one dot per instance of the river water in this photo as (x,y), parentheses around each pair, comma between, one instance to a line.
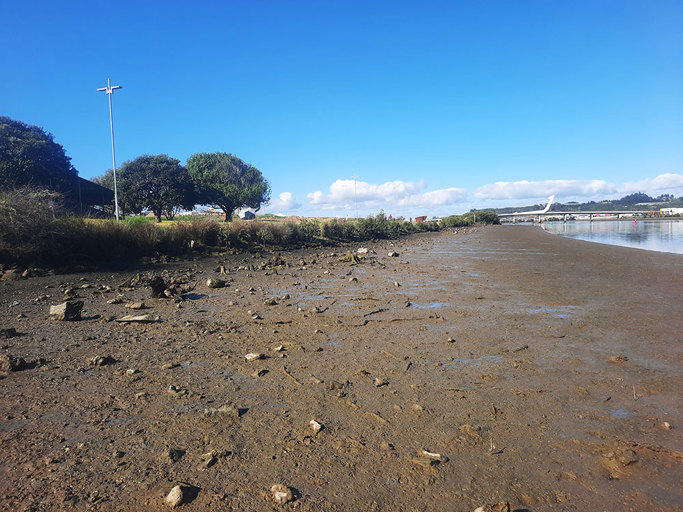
(662,235)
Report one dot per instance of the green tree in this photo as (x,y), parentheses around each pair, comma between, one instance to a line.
(105,180)
(225,181)
(30,156)
(157,182)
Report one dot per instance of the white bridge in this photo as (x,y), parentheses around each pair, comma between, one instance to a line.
(539,215)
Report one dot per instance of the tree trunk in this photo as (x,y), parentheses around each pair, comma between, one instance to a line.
(228,214)
(158,216)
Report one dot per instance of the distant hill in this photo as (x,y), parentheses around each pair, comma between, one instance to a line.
(638,201)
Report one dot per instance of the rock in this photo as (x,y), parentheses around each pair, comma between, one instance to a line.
(259,373)
(173,454)
(362,250)
(383,381)
(136,305)
(67,311)
(271,301)
(253,356)
(178,392)
(393,254)
(140,319)
(116,300)
(397,284)
(10,275)
(279,348)
(176,497)
(169,366)
(432,455)
(351,258)
(315,426)
(618,359)
(281,494)
(353,279)
(213,282)
(10,363)
(158,286)
(10,332)
(503,506)
(230,410)
(102,360)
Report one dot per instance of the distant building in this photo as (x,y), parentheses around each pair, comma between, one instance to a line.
(671,211)
(421,218)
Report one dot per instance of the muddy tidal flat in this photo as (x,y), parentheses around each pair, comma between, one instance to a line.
(473,369)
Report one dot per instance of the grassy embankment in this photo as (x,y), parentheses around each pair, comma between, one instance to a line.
(31,232)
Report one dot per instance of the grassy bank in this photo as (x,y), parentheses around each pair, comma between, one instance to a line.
(32,231)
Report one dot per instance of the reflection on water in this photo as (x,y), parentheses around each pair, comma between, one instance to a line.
(650,234)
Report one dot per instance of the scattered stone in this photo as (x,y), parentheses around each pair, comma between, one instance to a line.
(417,408)
(174,454)
(498,507)
(213,282)
(618,359)
(136,305)
(383,381)
(10,332)
(387,446)
(362,250)
(353,279)
(432,455)
(351,258)
(230,410)
(281,494)
(116,300)
(169,366)
(271,301)
(397,284)
(158,286)
(132,371)
(253,356)
(667,425)
(140,319)
(393,254)
(259,373)
(102,360)
(450,340)
(177,496)
(177,391)
(519,349)
(315,426)
(10,363)
(279,348)
(67,311)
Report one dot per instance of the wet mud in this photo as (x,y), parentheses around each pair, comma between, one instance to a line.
(499,364)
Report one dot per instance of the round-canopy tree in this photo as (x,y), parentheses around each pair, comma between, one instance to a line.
(30,156)
(225,181)
(157,182)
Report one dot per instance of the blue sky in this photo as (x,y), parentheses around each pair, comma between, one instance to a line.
(437,107)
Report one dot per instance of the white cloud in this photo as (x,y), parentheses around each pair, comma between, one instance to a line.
(345,194)
(534,189)
(578,189)
(286,201)
(667,182)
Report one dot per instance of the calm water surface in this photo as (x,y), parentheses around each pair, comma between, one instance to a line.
(650,234)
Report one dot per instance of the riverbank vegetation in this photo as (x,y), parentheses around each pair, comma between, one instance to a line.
(35,228)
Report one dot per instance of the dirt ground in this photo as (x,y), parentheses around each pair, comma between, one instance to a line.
(534,369)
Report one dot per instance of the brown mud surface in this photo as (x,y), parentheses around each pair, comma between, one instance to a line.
(544,371)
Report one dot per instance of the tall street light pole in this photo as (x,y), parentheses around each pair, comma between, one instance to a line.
(109,89)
